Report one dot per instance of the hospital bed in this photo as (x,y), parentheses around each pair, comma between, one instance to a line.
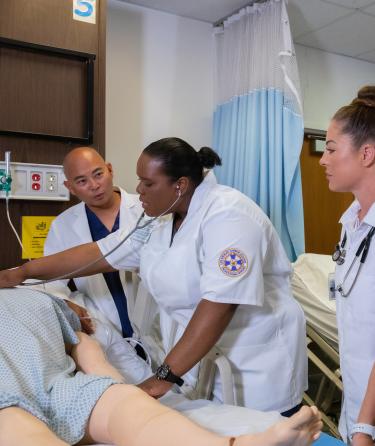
(309,283)
(193,403)
(310,288)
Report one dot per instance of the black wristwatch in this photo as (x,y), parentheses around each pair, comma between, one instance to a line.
(164,373)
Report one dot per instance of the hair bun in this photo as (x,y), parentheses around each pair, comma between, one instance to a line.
(365,96)
(208,158)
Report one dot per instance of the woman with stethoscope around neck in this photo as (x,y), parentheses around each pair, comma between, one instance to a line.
(349,161)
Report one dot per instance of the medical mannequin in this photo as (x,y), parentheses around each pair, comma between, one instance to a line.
(214,265)
(349,162)
(51,398)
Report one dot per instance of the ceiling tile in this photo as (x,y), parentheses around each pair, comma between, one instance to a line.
(335,38)
(308,15)
(370,9)
(336,26)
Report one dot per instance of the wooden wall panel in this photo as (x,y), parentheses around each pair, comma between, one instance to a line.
(49,22)
(52,86)
(46,22)
(322,208)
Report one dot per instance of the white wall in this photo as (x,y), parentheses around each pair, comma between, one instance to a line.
(329,81)
(159,83)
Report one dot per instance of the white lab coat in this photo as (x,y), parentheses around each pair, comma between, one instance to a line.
(70,229)
(265,341)
(356,317)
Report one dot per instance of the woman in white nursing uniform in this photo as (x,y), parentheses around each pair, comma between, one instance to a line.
(216,266)
(349,161)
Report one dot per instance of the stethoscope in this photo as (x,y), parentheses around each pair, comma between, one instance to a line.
(339,257)
(139,225)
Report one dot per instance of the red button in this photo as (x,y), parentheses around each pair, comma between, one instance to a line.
(35,186)
(35,177)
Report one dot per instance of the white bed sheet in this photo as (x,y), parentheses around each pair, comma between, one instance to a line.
(310,288)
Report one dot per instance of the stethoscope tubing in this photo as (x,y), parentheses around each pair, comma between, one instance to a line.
(362,249)
(103,256)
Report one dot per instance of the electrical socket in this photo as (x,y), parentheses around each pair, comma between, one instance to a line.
(51,181)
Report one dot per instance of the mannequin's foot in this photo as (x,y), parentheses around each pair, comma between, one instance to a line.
(299,430)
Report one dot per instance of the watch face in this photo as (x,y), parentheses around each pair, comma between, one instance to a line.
(162,371)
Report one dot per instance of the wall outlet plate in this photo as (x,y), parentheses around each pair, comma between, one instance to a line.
(36,182)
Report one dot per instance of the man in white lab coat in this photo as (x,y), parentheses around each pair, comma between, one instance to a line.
(103,209)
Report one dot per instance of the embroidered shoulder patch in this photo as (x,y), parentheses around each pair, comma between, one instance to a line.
(233,262)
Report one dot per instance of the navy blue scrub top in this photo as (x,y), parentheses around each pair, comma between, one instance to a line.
(99,231)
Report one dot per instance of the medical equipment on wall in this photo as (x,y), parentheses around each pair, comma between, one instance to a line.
(138,226)
(6,185)
(5,176)
(339,257)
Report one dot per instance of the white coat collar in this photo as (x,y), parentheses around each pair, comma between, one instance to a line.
(350,216)
(128,201)
(208,183)
(81,226)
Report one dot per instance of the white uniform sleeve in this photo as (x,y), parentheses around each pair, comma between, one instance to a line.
(234,247)
(127,256)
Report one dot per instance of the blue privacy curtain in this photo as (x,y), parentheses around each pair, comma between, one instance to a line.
(258,123)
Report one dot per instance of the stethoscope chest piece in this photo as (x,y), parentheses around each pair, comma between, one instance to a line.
(338,255)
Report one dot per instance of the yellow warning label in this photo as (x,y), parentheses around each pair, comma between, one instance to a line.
(34,234)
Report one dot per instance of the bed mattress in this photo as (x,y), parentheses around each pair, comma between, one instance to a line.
(310,288)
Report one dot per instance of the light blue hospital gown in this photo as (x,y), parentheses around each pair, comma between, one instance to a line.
(35,372)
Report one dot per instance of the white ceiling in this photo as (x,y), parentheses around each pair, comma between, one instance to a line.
(344,27)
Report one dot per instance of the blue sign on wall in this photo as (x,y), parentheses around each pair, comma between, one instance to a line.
(84,10)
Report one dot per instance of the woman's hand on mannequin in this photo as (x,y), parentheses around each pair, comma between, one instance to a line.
(207,324)
(209,321)
(155,387)
(64,263)
(11,277)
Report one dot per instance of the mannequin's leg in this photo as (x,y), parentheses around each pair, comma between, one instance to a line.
(20,428)
(126,416)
